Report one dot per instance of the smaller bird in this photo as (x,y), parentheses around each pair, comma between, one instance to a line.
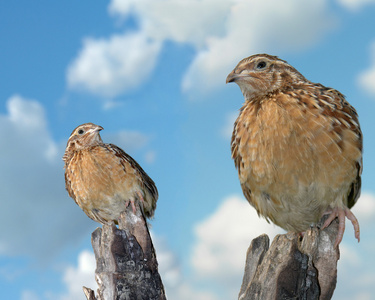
(102,179)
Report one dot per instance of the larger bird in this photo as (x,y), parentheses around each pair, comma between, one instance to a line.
(297,146)
(102,179)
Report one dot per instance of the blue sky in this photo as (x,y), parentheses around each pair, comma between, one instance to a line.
(152,73)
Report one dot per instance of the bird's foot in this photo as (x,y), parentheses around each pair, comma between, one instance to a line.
(140,197)
(341,213)
(132,204)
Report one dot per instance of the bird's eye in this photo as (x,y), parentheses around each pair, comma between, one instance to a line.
(261,65)
(81,131)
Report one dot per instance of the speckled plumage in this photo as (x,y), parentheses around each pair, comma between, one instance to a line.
(297,146)
(102,179)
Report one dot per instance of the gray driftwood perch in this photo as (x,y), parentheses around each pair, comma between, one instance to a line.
(291,269)
(126,265)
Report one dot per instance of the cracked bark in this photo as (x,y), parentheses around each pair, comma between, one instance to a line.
(291,268)
(126,265)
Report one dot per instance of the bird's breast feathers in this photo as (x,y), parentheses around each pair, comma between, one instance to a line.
(98,176)
(280,142)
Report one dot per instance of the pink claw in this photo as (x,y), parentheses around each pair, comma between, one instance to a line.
(132,201)
(341,213)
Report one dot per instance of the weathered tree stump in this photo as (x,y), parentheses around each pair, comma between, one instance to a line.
(126,265)
(291,268)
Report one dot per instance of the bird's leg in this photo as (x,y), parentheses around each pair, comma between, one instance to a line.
(132,201)
(132,204)
(341,213)
(140,197)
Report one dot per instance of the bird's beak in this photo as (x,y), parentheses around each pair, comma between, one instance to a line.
(233,77)
(96,128)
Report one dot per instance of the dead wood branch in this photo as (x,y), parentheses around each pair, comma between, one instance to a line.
(126,265)
(291,268)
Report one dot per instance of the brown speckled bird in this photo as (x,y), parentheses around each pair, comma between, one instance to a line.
(297,146)
(102,179)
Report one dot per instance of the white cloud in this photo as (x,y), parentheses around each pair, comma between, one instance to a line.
(355,270)
(32,189)
(26,117)
(129,140)
(218,255)
(120,7)
(222,32)
(367,78)
(150,156)
(365,296)
(248,31)
(107,67)
(176,285)
(355,5)
(177,20)
(75,277)
(349,256)
(32,185)
(364,209)
(29,295)
(222,241)
(186,292)
(169,266)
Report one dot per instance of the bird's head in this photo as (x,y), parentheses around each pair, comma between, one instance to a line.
(261,74)
(85,135)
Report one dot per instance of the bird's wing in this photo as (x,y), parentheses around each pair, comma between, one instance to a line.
(334,104)
(147,182)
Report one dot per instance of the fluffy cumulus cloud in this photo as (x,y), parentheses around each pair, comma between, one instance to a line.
(32,192)
(176,284)
(353,262)
(29,295)
(356,278)
(25,123)
(129,140)
(81,275)
(108,66)
(36,211)
(177,20)
(355,5)
(224,237)
(222,32)
(367,78)
(222,241)
(248,30)
(74,277)
(364,209)
(218,257)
